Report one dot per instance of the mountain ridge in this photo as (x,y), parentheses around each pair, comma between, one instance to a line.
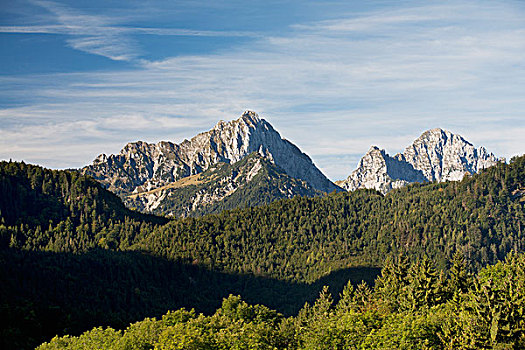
(436,155)
(252,181)
(141,167)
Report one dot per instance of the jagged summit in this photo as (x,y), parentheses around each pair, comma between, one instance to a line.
(436,155)
(444,156)
(251,116)
(142,167)
(382,172)
(249,119)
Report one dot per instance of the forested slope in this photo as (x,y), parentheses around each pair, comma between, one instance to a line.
(411,306)
(299,239)
(302,239)
(55,210)
(296,242)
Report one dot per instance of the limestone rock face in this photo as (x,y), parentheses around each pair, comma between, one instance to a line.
(379,171)
(437,155)
(443,156)
(252,181)
(143,167)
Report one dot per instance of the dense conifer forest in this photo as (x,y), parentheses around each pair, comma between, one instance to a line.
(412,306)
(73,257)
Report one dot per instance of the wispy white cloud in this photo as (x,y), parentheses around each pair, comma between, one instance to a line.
(89,33)
(49,135)
(332,87)
(36,29)
(102,35)
(90,30)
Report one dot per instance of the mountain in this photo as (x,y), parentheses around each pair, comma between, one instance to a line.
(141,167)
(443,156)
(379,171)
(252,181)
(436,155)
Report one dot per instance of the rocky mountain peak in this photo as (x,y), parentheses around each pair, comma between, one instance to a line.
(379,171)
(436,155)
(444,156)
(435,132)
(248,120)
(250,117)
(142,167)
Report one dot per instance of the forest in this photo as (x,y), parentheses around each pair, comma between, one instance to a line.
(73,257)
(411,306)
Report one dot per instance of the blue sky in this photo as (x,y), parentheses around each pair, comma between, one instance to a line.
(81,78)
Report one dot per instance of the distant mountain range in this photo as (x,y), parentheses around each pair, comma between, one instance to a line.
(436,155)
(157,177)
(246,162)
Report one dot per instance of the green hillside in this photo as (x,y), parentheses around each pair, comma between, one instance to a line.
(72,256)
(412,306)
(302,239)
